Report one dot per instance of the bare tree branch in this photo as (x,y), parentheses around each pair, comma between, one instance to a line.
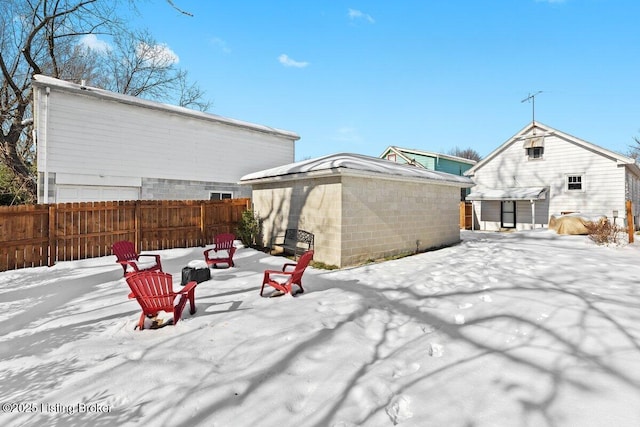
(178,9)
(44,37)
(467,153)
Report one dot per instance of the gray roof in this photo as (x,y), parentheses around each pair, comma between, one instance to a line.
(355,165)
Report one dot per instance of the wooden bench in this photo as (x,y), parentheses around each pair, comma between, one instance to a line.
(294,241)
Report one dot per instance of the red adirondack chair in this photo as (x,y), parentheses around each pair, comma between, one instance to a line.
(284,280)
(223,251)
(130,261)
(154,292)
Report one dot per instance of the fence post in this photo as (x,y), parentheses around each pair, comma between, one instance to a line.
(136,225)
(53,241)
(203,241)
(630,226)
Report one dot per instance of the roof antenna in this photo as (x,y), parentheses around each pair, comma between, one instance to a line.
(532,98)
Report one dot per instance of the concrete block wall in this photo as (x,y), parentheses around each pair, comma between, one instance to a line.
(382,218)
(313,205)
(172,189)
(356,219)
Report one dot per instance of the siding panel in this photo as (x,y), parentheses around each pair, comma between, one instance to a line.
(84,134)
(603,186)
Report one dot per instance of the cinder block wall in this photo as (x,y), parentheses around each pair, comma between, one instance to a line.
(173,189)
(381,218)
(313,205)
(356,219)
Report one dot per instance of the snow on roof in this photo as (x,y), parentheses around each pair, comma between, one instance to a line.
(42,80)
(354,164)
(514,193)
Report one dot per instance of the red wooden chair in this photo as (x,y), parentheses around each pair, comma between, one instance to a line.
(130,261)
(154,292)
(223,251)
(284,280)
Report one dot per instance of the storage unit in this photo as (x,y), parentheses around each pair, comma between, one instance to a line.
(358,207)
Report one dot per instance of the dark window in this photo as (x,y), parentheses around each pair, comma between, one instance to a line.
(535,152)
(219,195)
(574,182)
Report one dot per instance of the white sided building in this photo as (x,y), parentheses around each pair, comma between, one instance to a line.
(96,145)
(542,172)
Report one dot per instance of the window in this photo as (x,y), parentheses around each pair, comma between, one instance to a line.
(220,195)
(535,152)
(574,182)
(392,157)
(534,146)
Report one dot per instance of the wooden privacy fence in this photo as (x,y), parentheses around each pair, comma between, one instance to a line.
(41,235)
(466,216)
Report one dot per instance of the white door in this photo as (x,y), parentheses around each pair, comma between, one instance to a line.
(95,193)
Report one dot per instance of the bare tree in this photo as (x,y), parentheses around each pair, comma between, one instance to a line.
(191,95)
(136,64)
(35,40)
(467,153)
(45,37)
(634,150)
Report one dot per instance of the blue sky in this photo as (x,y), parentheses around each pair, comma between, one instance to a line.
(358,76)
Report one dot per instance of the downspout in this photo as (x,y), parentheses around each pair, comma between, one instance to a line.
(43,134)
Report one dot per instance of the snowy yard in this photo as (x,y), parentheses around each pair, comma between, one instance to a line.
(519,329)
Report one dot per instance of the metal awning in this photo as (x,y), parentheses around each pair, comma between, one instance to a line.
(534,142)
(503,194)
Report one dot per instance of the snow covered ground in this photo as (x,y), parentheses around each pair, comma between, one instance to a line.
(518,329)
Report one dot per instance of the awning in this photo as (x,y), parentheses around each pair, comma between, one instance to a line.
(534,142)
(514,193)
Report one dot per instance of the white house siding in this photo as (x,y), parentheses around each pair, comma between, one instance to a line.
(489,214)
(633,194)
(93,133)
(605,183)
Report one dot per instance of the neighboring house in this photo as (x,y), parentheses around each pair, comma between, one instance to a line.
(541,171)
(96,145)
(432,161)
(359,207)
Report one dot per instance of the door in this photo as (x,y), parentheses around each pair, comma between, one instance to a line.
(94,193)
(508,215)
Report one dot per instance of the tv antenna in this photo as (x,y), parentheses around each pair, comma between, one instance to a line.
(532,98)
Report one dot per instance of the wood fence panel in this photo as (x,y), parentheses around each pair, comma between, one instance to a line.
(24,240)
(39,235)
(223,217)
(189,218)
(466,215)
(150,220)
